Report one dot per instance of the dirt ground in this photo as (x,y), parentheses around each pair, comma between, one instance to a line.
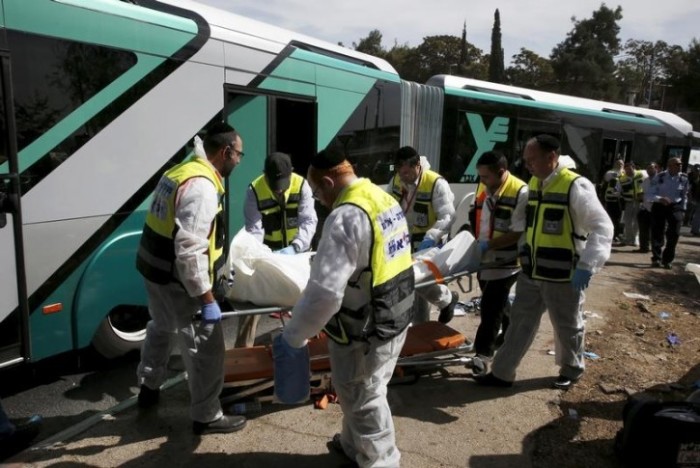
(635,356)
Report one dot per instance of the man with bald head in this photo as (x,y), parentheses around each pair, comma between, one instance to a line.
(567,238)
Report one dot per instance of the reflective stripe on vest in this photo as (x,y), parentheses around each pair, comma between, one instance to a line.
(425,216)
(156,254)
(549,253)
(631,186)
(389,278)
(280,226)
(611,191)
(500,217)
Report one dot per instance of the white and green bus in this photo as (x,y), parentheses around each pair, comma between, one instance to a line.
(99,97)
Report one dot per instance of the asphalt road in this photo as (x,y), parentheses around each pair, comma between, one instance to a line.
(73,386)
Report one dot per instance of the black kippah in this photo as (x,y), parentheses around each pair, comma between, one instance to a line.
(327,158)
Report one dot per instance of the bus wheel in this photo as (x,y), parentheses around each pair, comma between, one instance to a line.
(123,330)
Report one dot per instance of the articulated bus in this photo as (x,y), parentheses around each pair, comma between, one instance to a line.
(99,97)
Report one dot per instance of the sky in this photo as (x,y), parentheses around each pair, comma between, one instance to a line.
(538,25)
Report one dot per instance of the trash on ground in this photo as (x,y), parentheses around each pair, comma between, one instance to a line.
(459,310)
(589,314)
(643,307)
(590,355)
(637,296)
(664,315)
(608,388)
(695,269)
(573,414)
(673,339)
(550,352)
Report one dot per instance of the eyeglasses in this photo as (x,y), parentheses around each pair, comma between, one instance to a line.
(234,151)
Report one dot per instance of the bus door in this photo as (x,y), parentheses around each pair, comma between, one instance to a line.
(267,123)
(13,298)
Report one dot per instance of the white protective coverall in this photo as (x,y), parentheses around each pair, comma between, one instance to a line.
(443,204)
(360,370)
(172,307)
(533,297)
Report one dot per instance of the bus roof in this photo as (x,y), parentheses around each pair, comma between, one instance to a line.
(226,26)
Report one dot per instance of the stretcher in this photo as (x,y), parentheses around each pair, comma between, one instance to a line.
(249,372)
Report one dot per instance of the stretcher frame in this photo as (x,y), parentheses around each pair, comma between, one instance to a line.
(429,346)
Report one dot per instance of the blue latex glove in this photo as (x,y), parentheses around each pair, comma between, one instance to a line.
(291,372)
(289,250)
(211,313)
(483,245)
(427,243)
(581,279)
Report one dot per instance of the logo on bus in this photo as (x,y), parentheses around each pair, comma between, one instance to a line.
(485,139)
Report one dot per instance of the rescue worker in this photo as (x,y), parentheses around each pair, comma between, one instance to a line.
(568,238)
(279,212)
(498,222)
(428,203)
(629,185)
(613,202)
(644,214)
(361,292)
(669,190)
(182,256)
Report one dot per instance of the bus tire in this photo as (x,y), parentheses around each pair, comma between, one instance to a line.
(121,331)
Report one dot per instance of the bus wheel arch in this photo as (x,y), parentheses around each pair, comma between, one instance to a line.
(122,330)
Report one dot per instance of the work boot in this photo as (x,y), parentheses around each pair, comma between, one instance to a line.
(480,365)
(25,432)
(222,425)
(148,397)
(490,380)
(448,312)
(564,383)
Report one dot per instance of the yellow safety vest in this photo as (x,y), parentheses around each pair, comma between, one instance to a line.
(611,195)
(156,254)
(281,226)
(500,217)
(631,186)
(549,253)
(389,277)
(425,215)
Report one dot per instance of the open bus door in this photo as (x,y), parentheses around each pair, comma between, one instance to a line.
(14,308)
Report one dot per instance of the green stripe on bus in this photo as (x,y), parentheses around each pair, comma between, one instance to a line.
(115,24)
(547,106)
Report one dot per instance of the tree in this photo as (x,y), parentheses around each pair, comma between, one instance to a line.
(529,70)
(441,55)
(372,44)
(684,80)
(583,63)
(496,67)
(644,71)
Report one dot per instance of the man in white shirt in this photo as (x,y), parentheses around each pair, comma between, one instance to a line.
(360,291)
(568,238)
(428,203)
(644,214)
(182,257)
(498,222)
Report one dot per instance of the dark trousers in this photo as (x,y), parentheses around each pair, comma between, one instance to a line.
(614,210)
(666,220)
(494,300)
(644,221)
